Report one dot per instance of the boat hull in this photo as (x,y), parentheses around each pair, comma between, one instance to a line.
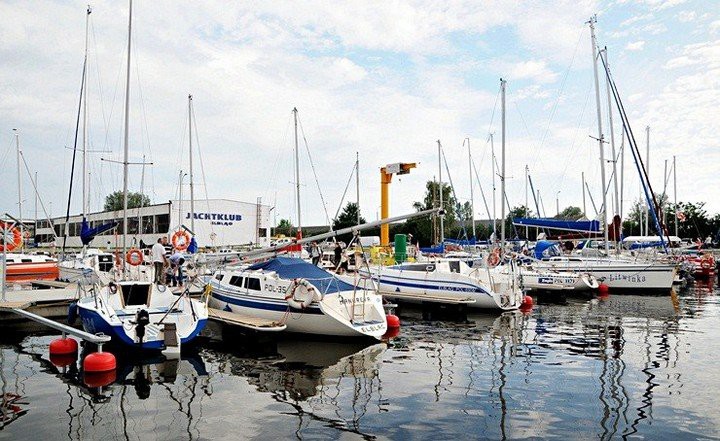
(622,277)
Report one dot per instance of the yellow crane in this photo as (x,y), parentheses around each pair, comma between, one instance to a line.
(386,174)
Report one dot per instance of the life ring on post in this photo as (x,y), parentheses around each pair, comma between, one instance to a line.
(180,240)
(494,258)
(705,263)
(301,294)
(134,257)
(12,237)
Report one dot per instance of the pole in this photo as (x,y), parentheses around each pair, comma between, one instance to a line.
(297,171)
(192,189)
(622,172)
(180,198)
(583,189)
(662,202)
(502,167)
(472,196)
(85,182)
(647,170)
(357,184)
(557,203)
(612,143)
(36,199)
(492,166)
(440,192)
(126,146)
(19,187)
(675,193)
(527,207)
(593,42)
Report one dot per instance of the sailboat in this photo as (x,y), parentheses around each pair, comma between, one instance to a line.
(139,313)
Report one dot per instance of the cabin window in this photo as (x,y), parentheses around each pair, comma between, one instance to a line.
(219,277)
(236,281)
(252,283)
(136,294)
(454,266)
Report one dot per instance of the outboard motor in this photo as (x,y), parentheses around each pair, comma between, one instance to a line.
(142,319)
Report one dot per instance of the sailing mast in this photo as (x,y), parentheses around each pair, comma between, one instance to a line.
(85,183)
(192,190)
(297,172)
(492,166)
(440,191)
(647,171)
(125,143)
(675,194)
(616,209)
(472,197)
(357,184)
(502,167)
(19,187)
(600,139)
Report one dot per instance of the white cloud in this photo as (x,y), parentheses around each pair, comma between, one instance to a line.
(714,27)
(535,70)
(635,46)
(687,16)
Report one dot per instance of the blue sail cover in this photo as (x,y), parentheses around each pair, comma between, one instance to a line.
(440,249)
(545,249)
(293,268)
(583,226)
(87,234)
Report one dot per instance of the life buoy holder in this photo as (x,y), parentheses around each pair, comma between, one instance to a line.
(12,237)
(301,294)
(134,257)
(494,258)
(180,240)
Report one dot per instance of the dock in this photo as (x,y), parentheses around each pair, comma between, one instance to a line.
(245,321)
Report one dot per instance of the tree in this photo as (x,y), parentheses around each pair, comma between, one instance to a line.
(426,229)
(570,213)
(511,230)
(285,227)
(114,201)
(348,217)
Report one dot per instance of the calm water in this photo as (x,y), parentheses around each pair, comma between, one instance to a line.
(628,366)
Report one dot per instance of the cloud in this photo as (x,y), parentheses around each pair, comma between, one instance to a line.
(635,46)
(535,70)
(687,16)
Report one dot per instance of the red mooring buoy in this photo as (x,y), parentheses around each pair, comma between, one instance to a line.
(63,346)
(99,379)
(99,362)
(391,333)
(392,321)
(528,302)
(603,289)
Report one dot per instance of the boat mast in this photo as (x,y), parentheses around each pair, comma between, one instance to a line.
(647,171)
(472,196)
(593,42)
(85,182)
(583,189)
(125,143)
(612,143)
(357,184)
(675,193)
(440,191)
(492,166)
(527,173)
(19,187)
(297,171)
(192,190)
(502,166)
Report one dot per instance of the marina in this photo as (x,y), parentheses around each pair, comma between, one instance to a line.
(248,287)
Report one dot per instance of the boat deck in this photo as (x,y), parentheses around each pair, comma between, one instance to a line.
(246,321)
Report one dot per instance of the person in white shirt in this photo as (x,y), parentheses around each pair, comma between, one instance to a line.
(158,259)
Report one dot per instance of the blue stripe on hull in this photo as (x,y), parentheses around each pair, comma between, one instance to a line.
(247,303)
(434,287)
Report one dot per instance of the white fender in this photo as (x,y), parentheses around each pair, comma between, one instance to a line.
(301,294)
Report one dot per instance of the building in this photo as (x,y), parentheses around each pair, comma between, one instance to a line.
(218,223)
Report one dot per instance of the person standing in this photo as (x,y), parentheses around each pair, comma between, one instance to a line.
(338,254)
(176,261)
(158,259)
(315,253)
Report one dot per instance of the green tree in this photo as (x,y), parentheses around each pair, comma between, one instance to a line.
(426,229)
(570,213)
(512,231)
(285,227)
(114,201)
(348,217)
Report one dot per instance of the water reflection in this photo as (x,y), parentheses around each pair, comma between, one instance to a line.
(620,367)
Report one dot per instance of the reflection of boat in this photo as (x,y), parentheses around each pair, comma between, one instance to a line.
(304,297)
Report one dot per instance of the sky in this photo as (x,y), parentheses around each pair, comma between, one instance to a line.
(385,79)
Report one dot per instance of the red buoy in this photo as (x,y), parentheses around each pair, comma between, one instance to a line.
(63,360)
(603,289)
(99,362)
(63,346)
(99,379)
(392,321)
(528,301)
(391,333)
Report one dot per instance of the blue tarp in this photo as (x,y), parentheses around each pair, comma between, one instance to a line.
(433,250)
(544,249)
(293,268)
(592,226)
(87,234)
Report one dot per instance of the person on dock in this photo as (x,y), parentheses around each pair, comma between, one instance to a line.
(158,259)
(338,254)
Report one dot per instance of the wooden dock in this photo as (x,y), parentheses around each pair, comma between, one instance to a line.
(245,321)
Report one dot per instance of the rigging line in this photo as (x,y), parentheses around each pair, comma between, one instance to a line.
(482,193)
(560,92)
(99,77)
(202,167)
(452,187)
(312,166)
(278,161)
(72,168)
(492,116)
(342,199)
(37,193)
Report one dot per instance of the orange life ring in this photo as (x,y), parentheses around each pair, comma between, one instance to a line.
(494,258)
(13,236)
(705,263)
(134,257)
(180,240)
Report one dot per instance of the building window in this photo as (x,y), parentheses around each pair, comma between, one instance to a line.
(162,223)
(147,225)
(132,225)
(58,230)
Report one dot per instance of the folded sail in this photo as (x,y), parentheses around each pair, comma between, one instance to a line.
(87,234)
